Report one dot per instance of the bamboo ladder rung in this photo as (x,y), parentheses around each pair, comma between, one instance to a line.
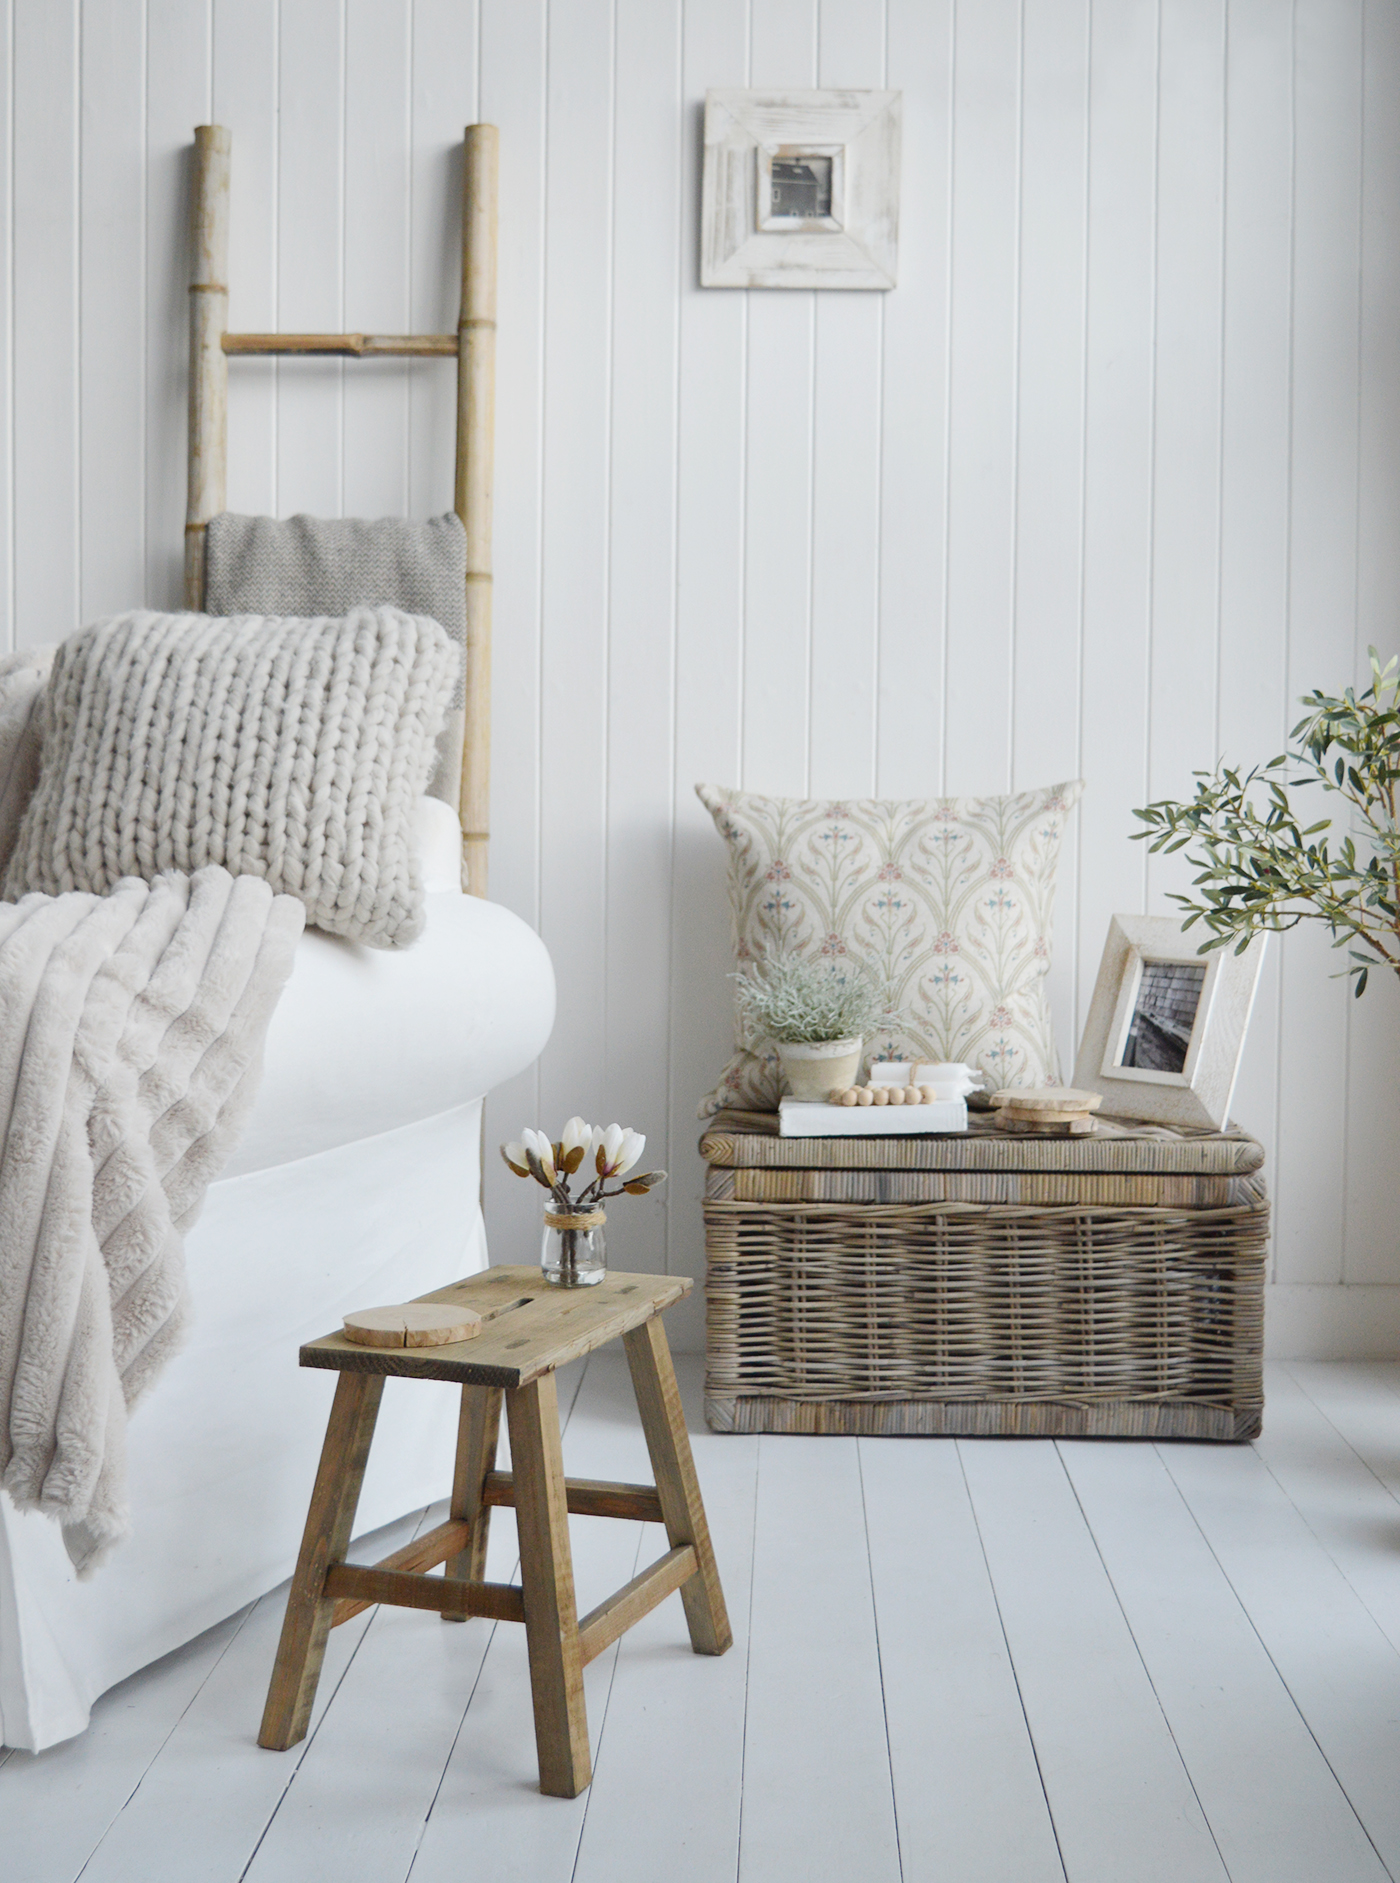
(353,345)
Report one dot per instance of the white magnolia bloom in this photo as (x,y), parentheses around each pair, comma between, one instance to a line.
(633,1144)
(577,1136)
(616,1150)
(514,1154)
(537,1142)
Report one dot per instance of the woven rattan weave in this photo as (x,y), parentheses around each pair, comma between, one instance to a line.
(1110,1286)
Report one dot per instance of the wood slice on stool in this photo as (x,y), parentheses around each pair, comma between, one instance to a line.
(412,1324)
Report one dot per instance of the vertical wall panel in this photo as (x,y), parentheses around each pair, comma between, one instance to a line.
(245,103)
(710,629)
(1050,381)
(846,470)
(845,544)
(1312,1202)
(1109,480)
(45,316)
(914,416)
(7,216)
(1046,731)
(1117,466)
(178,97)
(311,466)
(642,598)
(1373,1119)
(778,471)
(577,503)
(1254,477)
(512,97)
(778,543)
(1186,420)
(378,230)
(445,82)
(111,377)
(982,397)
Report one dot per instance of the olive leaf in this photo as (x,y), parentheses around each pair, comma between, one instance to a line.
(1263,869)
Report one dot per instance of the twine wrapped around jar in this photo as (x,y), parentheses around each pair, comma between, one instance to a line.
(584,1219)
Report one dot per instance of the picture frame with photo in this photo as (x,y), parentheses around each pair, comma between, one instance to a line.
(1167,1024)
(800,189)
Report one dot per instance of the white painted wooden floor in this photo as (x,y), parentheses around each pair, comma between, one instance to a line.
(1112,1663)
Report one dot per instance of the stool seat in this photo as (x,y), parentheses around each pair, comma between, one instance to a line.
(530,1330)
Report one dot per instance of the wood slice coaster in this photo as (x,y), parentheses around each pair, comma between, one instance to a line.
(1044,1117)
(1062,1100)
(412,1324)
(1037,1125)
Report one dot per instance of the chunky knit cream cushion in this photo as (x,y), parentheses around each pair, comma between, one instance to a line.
(294,750)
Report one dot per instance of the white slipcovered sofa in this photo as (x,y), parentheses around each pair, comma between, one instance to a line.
(357,1181)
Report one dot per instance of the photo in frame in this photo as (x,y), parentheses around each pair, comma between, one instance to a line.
(800,189)
(1166,1025)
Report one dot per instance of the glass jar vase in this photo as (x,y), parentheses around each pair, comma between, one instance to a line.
(574,1253)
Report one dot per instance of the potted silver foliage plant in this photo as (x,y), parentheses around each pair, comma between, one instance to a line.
(816,1013)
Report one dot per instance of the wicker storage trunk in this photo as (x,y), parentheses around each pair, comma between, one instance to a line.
(1104,1286)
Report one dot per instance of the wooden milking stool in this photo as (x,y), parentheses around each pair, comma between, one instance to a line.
(528,1331)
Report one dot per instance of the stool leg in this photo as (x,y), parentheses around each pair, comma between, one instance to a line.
(307,1623)
(547,1578)
(478,1429)
(663,1421)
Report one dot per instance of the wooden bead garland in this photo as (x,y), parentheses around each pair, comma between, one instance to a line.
(883,1095)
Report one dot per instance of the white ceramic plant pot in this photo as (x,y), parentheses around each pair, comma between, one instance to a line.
(814,1072)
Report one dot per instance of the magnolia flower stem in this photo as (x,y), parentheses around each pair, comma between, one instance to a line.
(568,1256)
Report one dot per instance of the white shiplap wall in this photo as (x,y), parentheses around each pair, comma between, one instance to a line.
(1103,486)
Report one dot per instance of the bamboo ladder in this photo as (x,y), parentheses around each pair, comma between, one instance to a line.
(473,346)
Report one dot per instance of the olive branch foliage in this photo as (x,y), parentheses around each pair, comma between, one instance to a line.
(1263,870)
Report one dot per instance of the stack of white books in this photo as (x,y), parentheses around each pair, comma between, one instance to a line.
(802,1118)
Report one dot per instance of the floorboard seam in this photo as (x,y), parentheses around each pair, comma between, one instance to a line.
(1269,1655)
(748,1663)
(1010,1658)
(1142,1658)
(879,1658)
(1311,1528)
(567,1413)
(174,1728)
(1391,1386)
(442,1775)
(1323,1414)
(597,1736)
(310,1739)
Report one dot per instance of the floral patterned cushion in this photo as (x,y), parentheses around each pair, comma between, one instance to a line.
(948,901)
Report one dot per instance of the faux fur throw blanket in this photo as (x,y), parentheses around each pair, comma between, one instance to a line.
(131,1034)
(328,565)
